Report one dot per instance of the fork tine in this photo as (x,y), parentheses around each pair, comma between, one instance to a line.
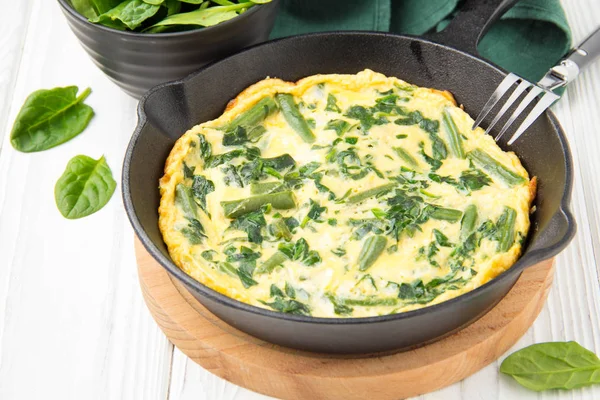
(513,97)
(545,101)
(533,93)
(502,88)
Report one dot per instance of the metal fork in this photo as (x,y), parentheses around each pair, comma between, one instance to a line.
(558,76)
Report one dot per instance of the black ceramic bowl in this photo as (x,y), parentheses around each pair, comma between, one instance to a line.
(167,111)
(138,61)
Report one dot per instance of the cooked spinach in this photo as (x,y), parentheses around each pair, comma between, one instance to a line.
(246,259)
(351,165)
(50,117)
(251,223)
(201,187)
(339,251)
(366,116)
(338,307)
(418,292)
(553,365)
(231,176)
(332,104)
(314,213)
(300,251)
(156,16)
(284,302)
(194,231)
(433,162)
(470,180)
(188,172)
(205,149)
(474,179)
(339,126)
(84,188)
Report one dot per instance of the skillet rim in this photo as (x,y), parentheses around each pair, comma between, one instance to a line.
(526,259)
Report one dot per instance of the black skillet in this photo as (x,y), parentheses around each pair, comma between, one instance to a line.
(169,110)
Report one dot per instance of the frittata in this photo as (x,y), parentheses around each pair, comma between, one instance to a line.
(343,196)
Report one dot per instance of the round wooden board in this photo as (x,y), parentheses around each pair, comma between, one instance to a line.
(291,374)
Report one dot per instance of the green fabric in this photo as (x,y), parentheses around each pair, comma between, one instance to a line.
(529,39)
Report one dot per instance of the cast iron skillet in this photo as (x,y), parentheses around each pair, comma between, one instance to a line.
(167,111)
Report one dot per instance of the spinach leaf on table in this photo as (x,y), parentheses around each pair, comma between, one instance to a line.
(50,117)
(84,188)
(553,365)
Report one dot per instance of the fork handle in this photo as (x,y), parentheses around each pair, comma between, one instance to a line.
(581,56)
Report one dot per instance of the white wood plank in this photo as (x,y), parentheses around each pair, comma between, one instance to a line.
(12,39)
(72,320)
(192,382)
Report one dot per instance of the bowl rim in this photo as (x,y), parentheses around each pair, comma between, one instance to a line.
(525,260)
(66,6)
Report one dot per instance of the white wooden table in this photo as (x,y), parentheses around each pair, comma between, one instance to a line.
(73,324)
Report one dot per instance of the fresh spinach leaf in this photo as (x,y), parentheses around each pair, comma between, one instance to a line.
(84,188)
(203,17)
(50,117)
(92,8)
(553,365)
(131,13)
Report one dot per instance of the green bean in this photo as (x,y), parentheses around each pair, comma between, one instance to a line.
(266,187)
(272,262)
(371,301)
(404,155)
(185,199)
(454,138)
(358,197)
(227,268)
(468,221)
(279,201)
(506,229)
(279,229)
(493,166)
(261,110)
(446,214)
(371,250)
(294,118)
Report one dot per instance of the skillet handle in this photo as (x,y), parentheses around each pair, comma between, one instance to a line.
(471,23)
(556,235)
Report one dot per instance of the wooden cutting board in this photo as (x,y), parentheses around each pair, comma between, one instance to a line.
(291,374)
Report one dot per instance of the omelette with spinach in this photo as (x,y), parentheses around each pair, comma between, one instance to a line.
(343,196)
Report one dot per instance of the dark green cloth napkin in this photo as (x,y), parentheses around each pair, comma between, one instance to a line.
(528,40)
